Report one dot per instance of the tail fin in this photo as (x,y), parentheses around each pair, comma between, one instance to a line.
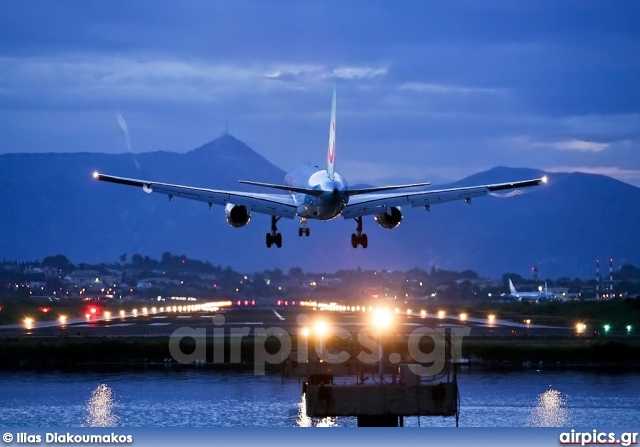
(511,288)
(331,153)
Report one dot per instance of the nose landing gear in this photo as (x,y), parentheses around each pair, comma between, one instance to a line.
(303,230)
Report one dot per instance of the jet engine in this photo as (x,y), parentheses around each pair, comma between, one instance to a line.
(391,218)
(237,215)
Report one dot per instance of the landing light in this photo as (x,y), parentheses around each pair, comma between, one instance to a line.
(545,179)
(95,174)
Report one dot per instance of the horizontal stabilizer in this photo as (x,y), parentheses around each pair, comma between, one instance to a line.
(312,192)
(355,192)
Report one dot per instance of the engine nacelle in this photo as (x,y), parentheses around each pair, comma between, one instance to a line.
(390,218)
(237,215)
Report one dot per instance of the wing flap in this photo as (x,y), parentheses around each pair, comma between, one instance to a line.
(273,204)
(368,204)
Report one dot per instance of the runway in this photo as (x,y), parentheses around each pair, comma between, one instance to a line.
(291,319)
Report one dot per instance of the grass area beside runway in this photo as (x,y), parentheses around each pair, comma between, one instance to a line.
(553,351)
(616,313)
(73,352)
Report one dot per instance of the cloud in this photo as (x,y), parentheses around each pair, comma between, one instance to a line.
(572,144)
(580,145)
(321,72)
(423,87)
(357,72)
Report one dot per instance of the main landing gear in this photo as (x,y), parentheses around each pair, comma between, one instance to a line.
(274,237)
(303,229)
(359,238)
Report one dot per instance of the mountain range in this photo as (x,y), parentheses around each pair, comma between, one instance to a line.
(51,205)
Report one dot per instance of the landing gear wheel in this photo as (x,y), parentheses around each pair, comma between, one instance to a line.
(359,238)
(274,237)
(303,230)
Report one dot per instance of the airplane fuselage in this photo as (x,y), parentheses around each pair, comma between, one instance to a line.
(325,206)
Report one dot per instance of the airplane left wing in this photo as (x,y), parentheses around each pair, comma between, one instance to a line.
(273,204)
(368,204)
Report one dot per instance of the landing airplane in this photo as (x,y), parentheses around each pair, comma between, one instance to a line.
(530,296)
(321,194)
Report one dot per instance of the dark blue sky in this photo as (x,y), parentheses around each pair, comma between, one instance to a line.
(427,90)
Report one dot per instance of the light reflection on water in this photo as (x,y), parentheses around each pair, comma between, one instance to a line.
(305,421)
(206,398)
(100,408)
(550,411)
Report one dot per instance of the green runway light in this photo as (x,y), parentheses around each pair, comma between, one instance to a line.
(607,327)
(629,328)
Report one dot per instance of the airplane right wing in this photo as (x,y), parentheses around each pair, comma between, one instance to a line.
(273,204)
(368,204)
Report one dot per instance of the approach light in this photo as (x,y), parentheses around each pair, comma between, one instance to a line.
(381,319)
(320,328)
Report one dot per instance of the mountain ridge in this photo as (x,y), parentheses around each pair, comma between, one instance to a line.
(56,207)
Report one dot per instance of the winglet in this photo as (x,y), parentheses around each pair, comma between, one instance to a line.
(331,153)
